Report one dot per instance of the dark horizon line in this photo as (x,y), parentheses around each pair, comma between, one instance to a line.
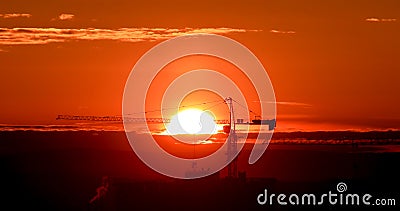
(98,128)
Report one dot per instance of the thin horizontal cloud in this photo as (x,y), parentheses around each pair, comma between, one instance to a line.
(23,36)
(305,105)
(294,104)
(15,15)
(374,19)
(281,32)
(66,16)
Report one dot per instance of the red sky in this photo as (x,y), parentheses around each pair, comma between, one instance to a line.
(333,64)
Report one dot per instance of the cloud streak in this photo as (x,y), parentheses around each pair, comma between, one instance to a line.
(275,31)
(66,17)
(15,15)
(305,105)
(29,36)
(374,19)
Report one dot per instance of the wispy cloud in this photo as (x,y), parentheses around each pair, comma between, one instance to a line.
(66,17)
(15,15)
(374,19)
(2,50)
(20,36)
(305,105)
(275,31)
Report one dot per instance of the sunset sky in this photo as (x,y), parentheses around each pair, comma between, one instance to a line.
(333,64)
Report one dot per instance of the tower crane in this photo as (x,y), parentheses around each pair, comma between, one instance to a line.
(229,128)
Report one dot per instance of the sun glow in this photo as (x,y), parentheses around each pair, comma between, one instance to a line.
(192,121)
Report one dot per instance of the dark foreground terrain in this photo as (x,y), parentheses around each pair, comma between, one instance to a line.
(91,170)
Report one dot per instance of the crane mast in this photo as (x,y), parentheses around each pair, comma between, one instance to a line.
(232,141)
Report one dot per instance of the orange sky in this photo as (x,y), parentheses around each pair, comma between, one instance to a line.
(195,62)
(333,64)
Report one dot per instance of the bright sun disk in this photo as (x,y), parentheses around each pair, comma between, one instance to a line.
(192,121)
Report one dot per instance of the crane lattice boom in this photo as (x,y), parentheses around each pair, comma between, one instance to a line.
(120,119)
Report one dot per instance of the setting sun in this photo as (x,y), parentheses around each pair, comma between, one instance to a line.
(192,121)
